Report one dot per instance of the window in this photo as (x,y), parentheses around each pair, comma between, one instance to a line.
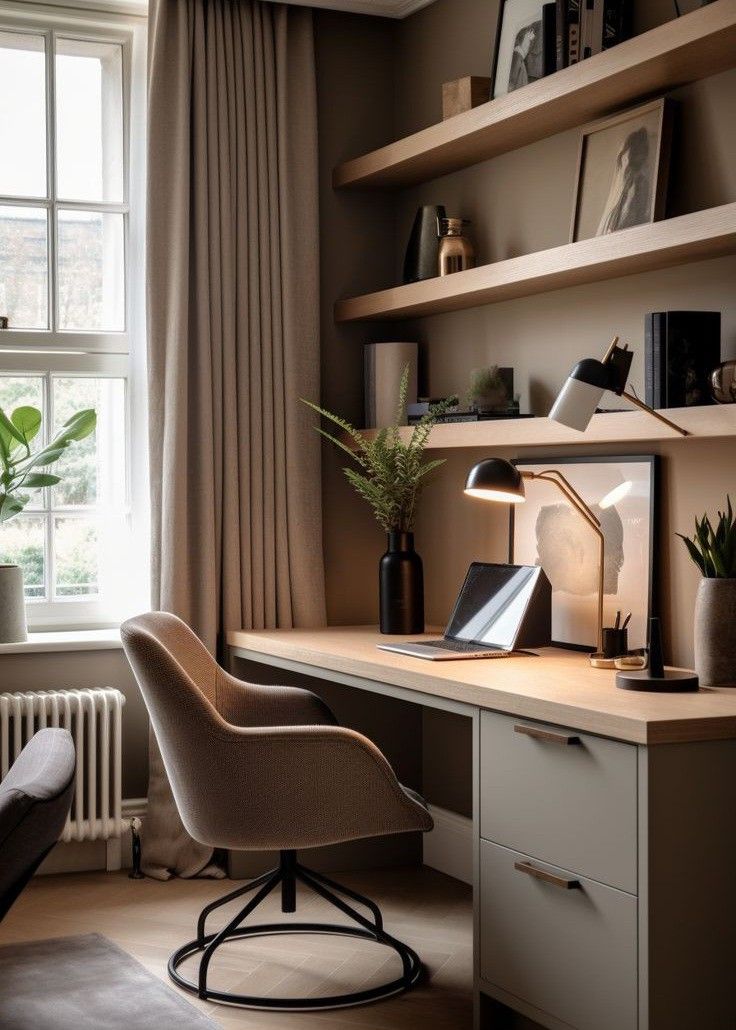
(71,127)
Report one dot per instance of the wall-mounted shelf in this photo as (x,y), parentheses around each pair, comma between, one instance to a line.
(627,427)
(676,241)
(693,47)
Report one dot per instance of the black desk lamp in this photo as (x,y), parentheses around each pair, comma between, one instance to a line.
(582,390)
(496,479)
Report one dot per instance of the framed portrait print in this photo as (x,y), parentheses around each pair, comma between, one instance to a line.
(623,164)
(546,530)
(519,56)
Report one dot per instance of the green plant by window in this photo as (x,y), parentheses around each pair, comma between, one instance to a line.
(20,466)
(391,474)
(714,549)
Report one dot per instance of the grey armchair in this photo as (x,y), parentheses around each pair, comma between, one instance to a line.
(261,768)
(35,798)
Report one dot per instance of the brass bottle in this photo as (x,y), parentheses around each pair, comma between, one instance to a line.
(456,251)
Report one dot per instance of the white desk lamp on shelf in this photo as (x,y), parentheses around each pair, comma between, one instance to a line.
(582,390)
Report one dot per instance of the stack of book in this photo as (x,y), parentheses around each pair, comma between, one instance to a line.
(586,27)
(416,411)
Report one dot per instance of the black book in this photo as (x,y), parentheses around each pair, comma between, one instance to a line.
(561,33)
(617,17)
(682,348)
(549,38)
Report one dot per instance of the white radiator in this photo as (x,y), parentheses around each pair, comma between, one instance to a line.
(94,719)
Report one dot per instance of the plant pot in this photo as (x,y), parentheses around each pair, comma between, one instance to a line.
(401,586)
(715,632)
(493,400)
(13,628)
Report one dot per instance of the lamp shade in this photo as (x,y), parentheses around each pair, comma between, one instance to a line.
(580,394)
(495,480)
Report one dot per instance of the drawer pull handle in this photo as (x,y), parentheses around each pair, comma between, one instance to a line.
(542,874)
(547,735)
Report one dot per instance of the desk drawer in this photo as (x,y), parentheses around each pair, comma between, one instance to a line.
(569,952)
(568,798)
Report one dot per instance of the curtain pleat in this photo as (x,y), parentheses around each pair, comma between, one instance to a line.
(233,329)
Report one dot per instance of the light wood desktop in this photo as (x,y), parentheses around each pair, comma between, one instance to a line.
(603,828)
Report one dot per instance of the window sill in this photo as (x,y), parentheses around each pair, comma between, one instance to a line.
(74,640)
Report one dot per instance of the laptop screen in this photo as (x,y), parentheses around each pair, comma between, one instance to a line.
(491,604)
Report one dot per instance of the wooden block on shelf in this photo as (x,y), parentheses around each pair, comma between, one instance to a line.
(464,94)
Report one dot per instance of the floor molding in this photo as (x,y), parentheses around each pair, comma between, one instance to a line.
(449,846)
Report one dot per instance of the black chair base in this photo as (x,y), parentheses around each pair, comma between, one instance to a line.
(287,874)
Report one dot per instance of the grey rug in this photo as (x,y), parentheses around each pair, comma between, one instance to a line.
(86,983)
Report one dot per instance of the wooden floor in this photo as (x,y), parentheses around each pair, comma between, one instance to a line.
(427,910)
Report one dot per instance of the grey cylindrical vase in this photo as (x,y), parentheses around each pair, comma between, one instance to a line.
(13,626)
(715,632)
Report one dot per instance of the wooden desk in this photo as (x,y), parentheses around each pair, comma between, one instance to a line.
(623,802)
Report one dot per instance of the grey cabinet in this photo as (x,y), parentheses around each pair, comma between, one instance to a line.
(563,943)
(544,790)
(606,886)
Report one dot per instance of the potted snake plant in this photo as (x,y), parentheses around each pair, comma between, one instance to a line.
(390,475)
(25,470)
(713,549)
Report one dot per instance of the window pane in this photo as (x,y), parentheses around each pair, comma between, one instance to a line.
(22,115)
(15,392)
(93,469)
(24,267)
(91,283)
(23,542)
(89,120)
(77,558)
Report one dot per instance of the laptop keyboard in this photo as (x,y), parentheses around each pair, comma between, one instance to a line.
(461,646)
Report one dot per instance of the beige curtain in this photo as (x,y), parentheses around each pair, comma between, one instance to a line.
(233,335)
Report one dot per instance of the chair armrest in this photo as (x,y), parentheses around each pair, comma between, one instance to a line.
(297,787)
(250,704)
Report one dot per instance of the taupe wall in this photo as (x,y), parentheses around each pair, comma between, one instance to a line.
(519,203)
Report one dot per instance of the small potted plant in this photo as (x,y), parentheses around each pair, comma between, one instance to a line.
(488,390)
(22,471)
(390,476)
(713,549)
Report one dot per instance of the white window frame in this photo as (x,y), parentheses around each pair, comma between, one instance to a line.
(100,354)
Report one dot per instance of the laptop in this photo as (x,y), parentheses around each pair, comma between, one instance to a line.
(499,609)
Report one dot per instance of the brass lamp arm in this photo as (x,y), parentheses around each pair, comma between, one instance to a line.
(556,477)
(566,488)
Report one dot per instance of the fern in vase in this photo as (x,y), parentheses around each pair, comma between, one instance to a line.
(390,475)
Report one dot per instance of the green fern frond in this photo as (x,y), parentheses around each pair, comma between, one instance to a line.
(391,474)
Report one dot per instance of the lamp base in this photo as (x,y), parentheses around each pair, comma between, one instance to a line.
(674,681)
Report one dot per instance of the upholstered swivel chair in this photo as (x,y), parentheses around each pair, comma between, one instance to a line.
(35,798)
(259,768)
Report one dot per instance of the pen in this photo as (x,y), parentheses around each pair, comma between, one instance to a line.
(618,620)
(626,621)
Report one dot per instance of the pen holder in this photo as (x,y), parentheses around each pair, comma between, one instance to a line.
(615,642)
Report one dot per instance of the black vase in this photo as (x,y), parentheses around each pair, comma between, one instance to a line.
(422,252)
(401,586)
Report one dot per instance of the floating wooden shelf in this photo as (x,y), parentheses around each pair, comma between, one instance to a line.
(693,47)
(676,241)
(625,427)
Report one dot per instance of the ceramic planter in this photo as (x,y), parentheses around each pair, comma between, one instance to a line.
(12,605)
(715,632)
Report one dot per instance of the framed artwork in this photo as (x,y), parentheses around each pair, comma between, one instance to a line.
(623,164)
(546,530)
(519,55)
